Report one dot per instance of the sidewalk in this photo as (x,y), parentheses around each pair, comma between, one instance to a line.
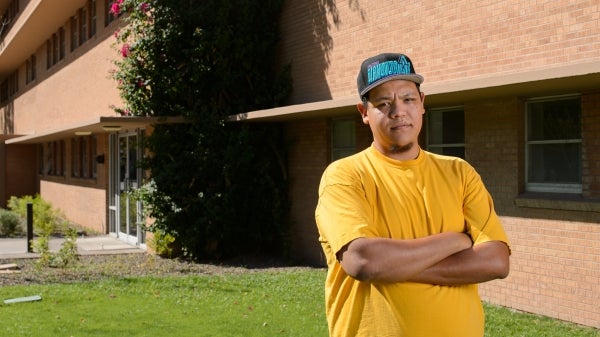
(11,248)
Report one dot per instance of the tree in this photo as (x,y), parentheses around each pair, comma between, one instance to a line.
(219,188)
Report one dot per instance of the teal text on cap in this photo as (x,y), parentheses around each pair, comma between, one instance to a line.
(385,69)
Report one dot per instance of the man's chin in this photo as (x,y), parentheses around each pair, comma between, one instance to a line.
(401,148)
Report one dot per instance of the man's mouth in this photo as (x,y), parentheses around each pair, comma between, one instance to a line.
(401,126)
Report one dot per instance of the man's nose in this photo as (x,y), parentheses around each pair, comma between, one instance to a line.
(398,109)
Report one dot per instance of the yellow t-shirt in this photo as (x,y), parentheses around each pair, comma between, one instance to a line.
(371,195)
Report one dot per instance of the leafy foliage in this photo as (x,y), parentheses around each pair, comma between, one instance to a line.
(218,188)
(46,219)
(10,223)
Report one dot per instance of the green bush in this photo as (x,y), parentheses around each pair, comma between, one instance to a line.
(10,223)
(46,220)
(65,257)
(219,189)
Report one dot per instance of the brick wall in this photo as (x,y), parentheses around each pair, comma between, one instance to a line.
(555,265)
(309,154)
(83,201)
(555,270)
(20,171)
(447,40)
(76,89)
(83,205)
(494,137)
(307,158)
(590,121)
(555,252)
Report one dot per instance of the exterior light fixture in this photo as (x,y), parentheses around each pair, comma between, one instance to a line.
(111,128)
(83,133)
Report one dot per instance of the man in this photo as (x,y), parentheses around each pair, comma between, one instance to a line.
(407,234)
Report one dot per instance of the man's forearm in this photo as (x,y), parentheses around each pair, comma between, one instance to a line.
(391,260)
(480,263)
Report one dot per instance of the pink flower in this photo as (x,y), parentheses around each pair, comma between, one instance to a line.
(115,8)
(125,49)
(145,7)
(117,33)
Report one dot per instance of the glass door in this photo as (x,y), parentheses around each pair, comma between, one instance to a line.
(125,212)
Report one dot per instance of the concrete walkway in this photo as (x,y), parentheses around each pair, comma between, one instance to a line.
(16,248)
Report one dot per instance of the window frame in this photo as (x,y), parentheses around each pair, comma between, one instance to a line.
(83,157)
(348,149)
(74,32)
(430,146)
(549,187)
(108,16)
(30,69)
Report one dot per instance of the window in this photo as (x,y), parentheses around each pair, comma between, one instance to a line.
(108,16)
(446,131)
(343,138)
(4,92)
(61,42)
(54,164)
(8,16)
(9,87)
(553,144)
(48,54)
(92,20)
(55,53)
(83,21)
(93,155)
(83,24)
(83,155)
(74,33)
(49,156)
(30,70)
(40,158)
(55,48)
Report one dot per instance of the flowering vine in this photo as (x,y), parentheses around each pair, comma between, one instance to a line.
(133,43)
(206,60)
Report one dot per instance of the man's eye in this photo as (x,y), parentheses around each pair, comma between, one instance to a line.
(384,105)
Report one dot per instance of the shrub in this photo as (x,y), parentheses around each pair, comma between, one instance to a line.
(46,220)
(10,223)
(219,189)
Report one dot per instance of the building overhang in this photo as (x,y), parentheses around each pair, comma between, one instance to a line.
(573,78)
(96,125)
(30,29)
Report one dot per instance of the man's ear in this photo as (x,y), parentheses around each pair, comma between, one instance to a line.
(363,112)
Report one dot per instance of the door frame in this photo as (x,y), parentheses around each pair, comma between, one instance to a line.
(115,188)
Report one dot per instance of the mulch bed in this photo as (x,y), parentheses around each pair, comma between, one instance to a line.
(97,267)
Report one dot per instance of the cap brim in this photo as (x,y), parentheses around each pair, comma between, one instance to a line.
(407,77)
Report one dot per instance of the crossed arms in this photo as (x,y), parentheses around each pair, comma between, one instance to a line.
(442,259)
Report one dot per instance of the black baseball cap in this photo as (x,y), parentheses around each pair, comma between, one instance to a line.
(385,67)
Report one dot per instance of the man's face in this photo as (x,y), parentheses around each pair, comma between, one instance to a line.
(394,113)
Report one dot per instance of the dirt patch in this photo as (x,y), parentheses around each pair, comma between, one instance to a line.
(97,267)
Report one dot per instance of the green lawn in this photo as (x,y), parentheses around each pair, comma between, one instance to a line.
(274,303)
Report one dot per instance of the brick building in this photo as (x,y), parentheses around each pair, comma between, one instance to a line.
(59,135)
(511,86)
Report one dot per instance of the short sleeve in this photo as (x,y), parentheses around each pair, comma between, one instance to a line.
(481,219)
(342,213)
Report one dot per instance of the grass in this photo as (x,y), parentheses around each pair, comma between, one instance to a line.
(266,303)
(505,322)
